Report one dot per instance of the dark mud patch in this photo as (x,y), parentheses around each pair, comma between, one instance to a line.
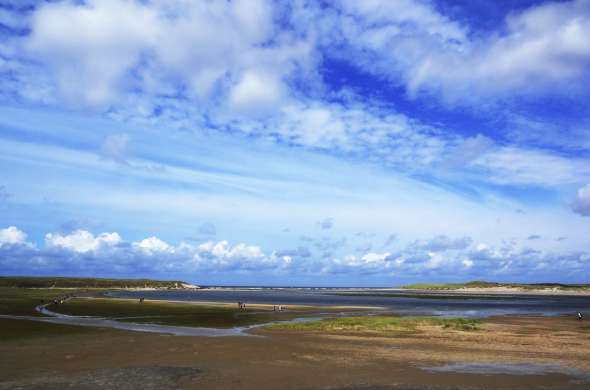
(510,369)
(145,378)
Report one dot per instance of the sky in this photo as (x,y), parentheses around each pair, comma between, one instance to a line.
(296,143)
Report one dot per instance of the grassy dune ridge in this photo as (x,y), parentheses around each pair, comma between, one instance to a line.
(427,296)
(67,282)
(483,284)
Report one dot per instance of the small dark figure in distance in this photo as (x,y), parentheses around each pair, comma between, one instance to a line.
(580,316)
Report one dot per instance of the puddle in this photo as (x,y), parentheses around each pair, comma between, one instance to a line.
(509,369)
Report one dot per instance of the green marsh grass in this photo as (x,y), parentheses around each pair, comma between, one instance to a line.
(171,313)
(22,301)
(380,324)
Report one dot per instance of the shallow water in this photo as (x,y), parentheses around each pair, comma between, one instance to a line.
(460,307)
(510,369)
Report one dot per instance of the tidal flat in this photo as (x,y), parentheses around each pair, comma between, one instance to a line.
(347,348)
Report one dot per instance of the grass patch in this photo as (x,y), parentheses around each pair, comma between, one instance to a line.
(380,324)
(166,313)
(12,330)
(22,301)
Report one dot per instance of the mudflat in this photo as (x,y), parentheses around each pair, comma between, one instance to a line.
(502,353)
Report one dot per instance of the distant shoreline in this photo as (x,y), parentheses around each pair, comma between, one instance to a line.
(499,291)
(468,288)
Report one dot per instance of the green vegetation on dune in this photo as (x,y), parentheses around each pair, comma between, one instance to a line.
(379,324)
(483,284)
(65,282)
(427,296)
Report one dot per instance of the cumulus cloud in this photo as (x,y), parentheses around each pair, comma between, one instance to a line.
(107,253)
(152,245)
(256,93)
(82,251)
(170,47)
(81,241)
(581,204)
(12,236)
(90,46)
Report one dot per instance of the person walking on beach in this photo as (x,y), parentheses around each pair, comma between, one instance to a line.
(580,316)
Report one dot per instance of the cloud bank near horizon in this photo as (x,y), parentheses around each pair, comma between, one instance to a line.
(441,258)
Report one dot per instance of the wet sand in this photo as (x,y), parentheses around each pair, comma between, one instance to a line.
(117,359)
(258,306)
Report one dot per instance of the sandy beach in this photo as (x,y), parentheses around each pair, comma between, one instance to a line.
(549,353)
(379,350)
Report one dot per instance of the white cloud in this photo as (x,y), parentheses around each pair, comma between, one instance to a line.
(82,241)
(581,204)
(256,93)
(514,165)
(91,46)
(81,252)
(413,42)
(99,50)
(152,245)
(12,236)
(383,22)
(222,250)
(372,258)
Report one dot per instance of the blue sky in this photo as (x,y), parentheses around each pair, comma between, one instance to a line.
(369,143)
